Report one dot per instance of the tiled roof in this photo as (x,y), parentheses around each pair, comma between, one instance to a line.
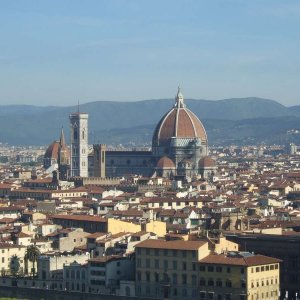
(254,260)
(79,218)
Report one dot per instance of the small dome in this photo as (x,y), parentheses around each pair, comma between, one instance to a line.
(207,162)
(165,163)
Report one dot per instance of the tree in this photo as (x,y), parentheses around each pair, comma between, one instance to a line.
(32,254)
(15,265)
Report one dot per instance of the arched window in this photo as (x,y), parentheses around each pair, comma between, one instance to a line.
(75,134)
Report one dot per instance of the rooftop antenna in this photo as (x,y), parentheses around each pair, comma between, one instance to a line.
(78,107)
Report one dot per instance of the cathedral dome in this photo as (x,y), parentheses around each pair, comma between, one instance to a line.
(57,152)
(179,122)
(52,151)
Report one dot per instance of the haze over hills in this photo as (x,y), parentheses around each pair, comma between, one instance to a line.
(240,120)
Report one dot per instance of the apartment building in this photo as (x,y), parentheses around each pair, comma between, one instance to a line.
(168,269)
(238,276)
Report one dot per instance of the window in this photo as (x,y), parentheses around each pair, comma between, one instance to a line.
(165,252)
(174,278)
(219,269)
(272,267)
(148,251)
(147,263)
(262,268)
(202,282)
(194,279)
(156,252)
(184,265)
(267,268)
(202,268)
(228,270)
(156,276)
(175,292)
(257,269)
(183,253)
(228,283)
(242,271)
(148,276)
(276,266)
(184,293)
(219,282)
(183,278)
(194,293)
(139,276)
(210,282)
(174,264)
(165,264)
(194,266)
(210,295)
(243,283)
(228,296)
(138,262)
(156,263)
(174,253)
(210,269)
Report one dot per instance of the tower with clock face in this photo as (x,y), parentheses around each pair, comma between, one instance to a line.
(79,144)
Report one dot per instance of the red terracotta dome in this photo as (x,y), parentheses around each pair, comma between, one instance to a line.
(57,152)
(207,162)
(165,163)
(52,151)
(178,122)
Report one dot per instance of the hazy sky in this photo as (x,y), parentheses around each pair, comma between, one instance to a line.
(56,52)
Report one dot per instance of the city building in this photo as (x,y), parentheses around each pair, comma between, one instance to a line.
(57,156)
(79,144)
(179,143)
(238,276)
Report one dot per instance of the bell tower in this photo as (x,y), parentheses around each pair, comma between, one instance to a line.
(79,144)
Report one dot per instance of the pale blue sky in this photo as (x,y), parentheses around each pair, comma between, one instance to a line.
(54,52)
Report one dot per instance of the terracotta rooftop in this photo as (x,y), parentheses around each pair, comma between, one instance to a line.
(238,260)
(79,218)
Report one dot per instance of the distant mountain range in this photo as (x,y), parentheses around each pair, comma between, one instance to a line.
(239,120)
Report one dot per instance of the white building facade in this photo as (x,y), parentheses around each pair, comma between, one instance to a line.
(79,144)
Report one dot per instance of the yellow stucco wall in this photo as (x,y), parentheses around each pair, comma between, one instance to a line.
(157,227)
(115,226)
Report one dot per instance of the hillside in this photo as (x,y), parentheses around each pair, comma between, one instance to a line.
(117,122)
